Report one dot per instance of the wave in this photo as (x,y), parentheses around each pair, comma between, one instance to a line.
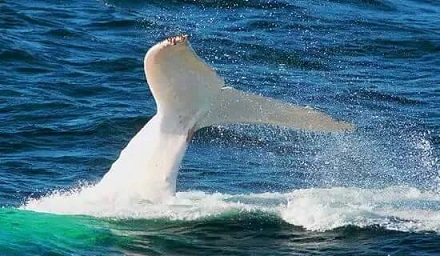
(371,4)
(368,94)
(223,4)
(399,208)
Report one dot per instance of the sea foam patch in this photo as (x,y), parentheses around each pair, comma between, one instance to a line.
(405,209)
(395,208)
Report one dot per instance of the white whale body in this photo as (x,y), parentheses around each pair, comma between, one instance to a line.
(190,95)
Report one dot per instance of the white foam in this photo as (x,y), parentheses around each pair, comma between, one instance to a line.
(184,206)
(395,208)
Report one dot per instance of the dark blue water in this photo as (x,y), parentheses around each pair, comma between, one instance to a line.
(73,93)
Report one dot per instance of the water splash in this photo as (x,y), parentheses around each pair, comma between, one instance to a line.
(405,209)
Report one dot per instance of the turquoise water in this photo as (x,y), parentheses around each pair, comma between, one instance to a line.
(73,93)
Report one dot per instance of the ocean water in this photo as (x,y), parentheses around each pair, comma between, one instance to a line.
(73,93)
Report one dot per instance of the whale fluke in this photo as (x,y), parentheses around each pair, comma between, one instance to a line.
(190,95)
(181,81)
(234,106)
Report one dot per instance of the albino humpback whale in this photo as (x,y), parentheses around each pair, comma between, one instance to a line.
(190,95)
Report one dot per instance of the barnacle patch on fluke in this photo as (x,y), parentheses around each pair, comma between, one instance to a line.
(174,40)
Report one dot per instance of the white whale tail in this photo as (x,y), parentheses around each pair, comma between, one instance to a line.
(182,82)
(234,106)
(190,95)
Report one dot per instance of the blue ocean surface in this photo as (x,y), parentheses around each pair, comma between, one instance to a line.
(73,93)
